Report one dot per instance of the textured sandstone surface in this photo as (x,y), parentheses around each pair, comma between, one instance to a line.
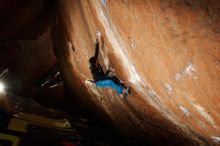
(167,51)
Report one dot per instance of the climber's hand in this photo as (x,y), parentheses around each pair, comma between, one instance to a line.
(91,81)
(98,35)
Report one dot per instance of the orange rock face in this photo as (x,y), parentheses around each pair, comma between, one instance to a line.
(168,52)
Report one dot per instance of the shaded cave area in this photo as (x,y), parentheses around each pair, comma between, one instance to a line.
(45,46)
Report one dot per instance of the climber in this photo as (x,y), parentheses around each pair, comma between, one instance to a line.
(101,78)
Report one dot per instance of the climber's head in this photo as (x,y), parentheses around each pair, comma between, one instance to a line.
(93,61)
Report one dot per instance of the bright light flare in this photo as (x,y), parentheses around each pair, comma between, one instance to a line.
(2,87)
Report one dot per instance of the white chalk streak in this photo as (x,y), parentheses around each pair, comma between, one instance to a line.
(188,69)
(202,111)
(117,46)
(216,139)
(185,110)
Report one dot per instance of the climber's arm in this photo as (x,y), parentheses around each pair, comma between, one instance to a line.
(98,44)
